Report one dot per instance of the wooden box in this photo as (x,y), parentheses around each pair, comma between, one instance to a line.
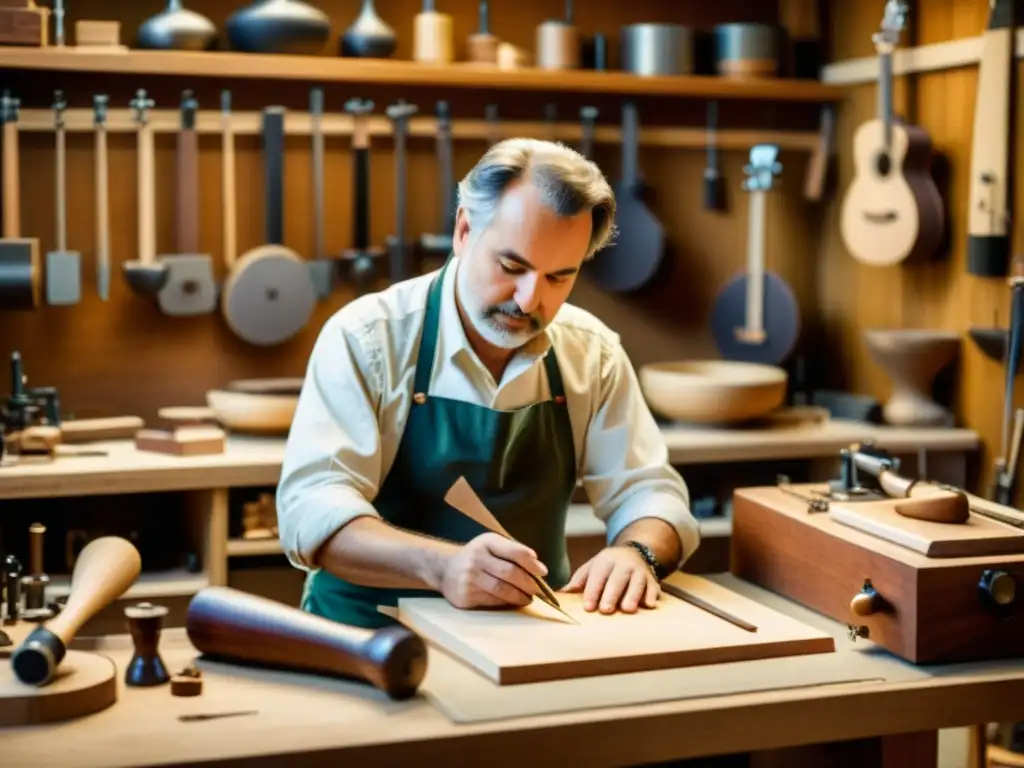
(22,22)
(931,610)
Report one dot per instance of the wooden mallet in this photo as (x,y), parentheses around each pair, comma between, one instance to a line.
(104,570)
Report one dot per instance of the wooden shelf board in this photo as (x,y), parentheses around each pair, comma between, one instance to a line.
(154,584)
(298,123)
(326,69)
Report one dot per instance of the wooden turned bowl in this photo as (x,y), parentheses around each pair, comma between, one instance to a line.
(252,413)
(712,391)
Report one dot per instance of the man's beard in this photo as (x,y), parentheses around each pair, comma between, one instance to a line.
(486,320)
(501,335)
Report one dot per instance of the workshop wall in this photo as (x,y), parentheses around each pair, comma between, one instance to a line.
(124,356)
(939,294)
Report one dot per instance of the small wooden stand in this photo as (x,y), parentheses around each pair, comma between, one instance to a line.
(99,36)
(192,437)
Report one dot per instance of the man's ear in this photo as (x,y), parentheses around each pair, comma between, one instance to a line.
(461,234)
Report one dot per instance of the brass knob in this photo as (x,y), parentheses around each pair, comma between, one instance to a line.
(997,589)
(867,601)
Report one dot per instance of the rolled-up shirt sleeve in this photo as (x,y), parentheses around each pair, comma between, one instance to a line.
(626,469)
(332,460)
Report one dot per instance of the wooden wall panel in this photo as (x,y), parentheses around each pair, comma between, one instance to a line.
(125,357)
(939,294)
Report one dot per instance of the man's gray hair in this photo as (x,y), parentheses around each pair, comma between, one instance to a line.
(568,182)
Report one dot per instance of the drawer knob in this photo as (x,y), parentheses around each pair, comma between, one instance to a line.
(867,601)
(997,589)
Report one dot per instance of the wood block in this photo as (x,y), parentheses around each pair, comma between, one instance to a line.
(28,26)
(536,643)
(932,610)
(978,536)
(103,33)
(183,441)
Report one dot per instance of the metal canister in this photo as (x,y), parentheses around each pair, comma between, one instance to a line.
(656,49)
(747,50)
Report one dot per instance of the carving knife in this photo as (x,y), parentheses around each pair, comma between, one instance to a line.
(462,496)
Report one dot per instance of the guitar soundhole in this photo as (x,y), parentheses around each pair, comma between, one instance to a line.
(883,164)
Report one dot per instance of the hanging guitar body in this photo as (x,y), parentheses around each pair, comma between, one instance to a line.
(892,211)
(756,318)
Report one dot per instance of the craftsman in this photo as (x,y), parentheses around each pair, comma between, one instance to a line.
(482,370)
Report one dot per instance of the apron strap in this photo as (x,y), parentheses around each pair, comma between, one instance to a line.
(428,347)
(428,341)
(554,377)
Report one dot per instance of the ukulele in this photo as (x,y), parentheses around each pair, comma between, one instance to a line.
(892,210)
(755,318)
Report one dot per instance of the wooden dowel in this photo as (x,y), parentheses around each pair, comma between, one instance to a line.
(299,124)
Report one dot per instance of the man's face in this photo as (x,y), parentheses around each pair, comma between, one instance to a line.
(515,275)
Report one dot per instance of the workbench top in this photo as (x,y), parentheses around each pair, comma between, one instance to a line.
(250,461)
(323,721)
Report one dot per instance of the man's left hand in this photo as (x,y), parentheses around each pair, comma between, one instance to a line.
(616,577)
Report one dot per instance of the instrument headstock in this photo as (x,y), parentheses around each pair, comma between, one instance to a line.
(763,167)
(894,21)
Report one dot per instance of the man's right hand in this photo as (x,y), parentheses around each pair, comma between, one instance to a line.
(490,571)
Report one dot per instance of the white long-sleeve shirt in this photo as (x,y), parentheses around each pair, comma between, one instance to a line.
(358,390)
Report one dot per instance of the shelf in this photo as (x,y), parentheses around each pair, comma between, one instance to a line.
(328,69)
(149,585)
(580,522)
(992,343)
(298,123)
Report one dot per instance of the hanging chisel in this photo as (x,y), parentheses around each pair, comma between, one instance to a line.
(714,197)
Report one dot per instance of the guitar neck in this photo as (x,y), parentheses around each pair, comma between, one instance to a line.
(755,264)
(885,95)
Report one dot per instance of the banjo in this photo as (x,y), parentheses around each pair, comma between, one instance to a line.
(755,318)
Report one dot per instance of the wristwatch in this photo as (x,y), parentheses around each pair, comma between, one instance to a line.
(657,569)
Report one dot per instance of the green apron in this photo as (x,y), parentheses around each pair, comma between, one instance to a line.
(521,463)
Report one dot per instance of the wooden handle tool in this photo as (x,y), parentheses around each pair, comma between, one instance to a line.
(925,501)
(12,181)
(462,496)
(236,626)
(100,102)
(105,568)
(228,183)
(144,275)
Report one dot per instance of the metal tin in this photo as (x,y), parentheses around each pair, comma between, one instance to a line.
(656,49)
(747,42)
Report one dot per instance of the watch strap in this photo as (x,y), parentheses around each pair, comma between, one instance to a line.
(657,569)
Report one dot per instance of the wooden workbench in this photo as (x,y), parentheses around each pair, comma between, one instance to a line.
(307,721)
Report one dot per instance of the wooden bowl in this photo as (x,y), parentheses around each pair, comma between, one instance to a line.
(252,414)
(712,391)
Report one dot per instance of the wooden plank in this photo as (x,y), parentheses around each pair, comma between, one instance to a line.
(952,54)
(535,643)
(81,120)
(978,537)
(322,69)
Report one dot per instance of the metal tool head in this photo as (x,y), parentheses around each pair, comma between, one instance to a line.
(400,111)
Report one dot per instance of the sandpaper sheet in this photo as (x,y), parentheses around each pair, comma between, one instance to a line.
(467,696)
